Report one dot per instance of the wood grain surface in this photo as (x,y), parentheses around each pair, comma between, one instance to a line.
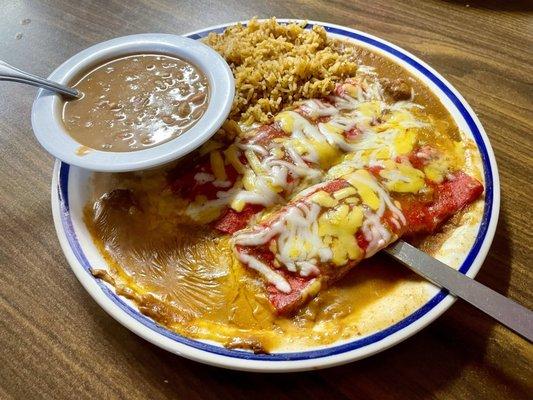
(57,343)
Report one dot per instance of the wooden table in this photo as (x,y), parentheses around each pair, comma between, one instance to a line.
(55,342)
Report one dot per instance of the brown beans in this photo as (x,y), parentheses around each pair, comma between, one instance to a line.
(197,113)
(135,102)
(184,109)
(197,98)
(167,119)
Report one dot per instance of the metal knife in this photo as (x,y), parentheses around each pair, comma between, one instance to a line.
(505,311)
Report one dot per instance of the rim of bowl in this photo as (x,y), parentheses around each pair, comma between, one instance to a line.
(427,313)
(46,111)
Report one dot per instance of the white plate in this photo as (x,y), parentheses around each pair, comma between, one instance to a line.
(70,189)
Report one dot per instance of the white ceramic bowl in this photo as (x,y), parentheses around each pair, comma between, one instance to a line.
(70,190)
(46,112)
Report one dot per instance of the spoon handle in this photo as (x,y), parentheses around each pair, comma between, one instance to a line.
(502,309)
(10,73)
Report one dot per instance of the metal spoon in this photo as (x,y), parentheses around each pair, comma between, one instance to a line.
(505,311)
(10,73)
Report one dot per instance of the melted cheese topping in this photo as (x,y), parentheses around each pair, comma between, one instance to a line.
(336,138)
(272,172)
(402,178)
(321,228)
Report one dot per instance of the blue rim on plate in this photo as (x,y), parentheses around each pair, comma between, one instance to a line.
(335,349)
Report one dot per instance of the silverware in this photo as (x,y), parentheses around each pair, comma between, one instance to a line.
(502,309)
(10,73)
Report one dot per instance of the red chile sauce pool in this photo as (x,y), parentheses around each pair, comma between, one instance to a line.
(136,102)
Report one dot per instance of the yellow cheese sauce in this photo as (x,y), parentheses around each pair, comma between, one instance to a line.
(187,278)
(189,281)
